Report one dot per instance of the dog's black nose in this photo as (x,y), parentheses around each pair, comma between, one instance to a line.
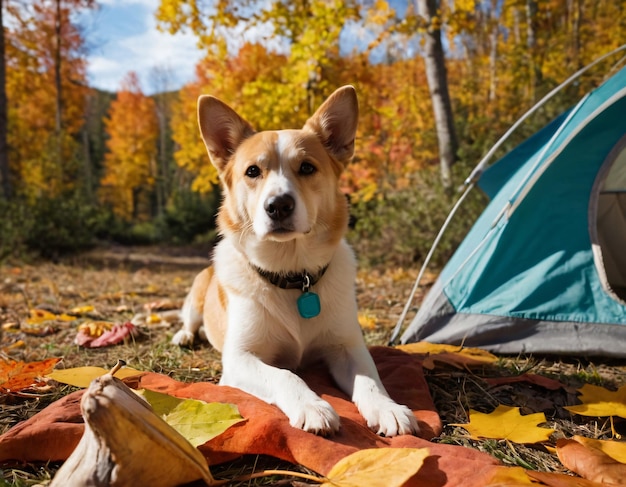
(279,207)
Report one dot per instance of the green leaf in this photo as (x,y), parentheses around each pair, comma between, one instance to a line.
(377,467)
(197,421)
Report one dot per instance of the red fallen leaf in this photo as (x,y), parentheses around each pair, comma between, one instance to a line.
(115,335)
(17,376)
(534,379)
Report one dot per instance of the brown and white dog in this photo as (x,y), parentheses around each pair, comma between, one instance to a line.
(280,293)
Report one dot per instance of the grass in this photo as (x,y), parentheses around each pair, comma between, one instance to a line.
(120,292)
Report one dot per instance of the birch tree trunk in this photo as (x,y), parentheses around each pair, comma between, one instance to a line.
(438,87)
(5,173)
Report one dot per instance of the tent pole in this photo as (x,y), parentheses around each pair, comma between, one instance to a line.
(444,227)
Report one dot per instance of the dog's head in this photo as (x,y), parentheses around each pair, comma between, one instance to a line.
(282,185)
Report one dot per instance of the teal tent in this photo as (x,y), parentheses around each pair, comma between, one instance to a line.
(543,270)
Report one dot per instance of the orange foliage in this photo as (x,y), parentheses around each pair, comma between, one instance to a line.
(130,164)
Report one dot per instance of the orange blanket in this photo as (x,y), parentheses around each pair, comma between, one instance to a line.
(52,434)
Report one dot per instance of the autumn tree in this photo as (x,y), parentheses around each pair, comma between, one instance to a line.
(130,163)
(308,30)
(44,160)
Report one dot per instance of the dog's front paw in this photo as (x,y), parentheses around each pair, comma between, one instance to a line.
(317,417)
(388,418)
(183,338)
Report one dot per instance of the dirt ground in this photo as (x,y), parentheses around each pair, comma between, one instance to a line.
(144,284)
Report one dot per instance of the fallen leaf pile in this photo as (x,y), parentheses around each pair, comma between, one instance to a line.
(485,403)
(203,423)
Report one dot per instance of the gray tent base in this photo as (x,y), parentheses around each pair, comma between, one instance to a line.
(515,336)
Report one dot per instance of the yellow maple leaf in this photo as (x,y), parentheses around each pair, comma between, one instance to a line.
(450,354)
(598,401)
(377,467)
(82,376)
(506,423)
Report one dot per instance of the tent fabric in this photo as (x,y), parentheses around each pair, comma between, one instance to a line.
(543,268)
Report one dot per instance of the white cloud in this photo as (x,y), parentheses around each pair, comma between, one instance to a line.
(125,38)
(104,73)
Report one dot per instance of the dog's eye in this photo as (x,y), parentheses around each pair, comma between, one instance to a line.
(253,171)
(306,168)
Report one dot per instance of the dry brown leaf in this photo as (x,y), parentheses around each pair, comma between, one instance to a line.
(615,449)
(534,379)
(591,463)
(561,480)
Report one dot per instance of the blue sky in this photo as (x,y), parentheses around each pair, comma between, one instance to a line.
(122,36)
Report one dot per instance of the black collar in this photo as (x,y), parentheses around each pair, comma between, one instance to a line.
(291,280)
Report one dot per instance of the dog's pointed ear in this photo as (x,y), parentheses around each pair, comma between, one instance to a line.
(335,123)
(222,129)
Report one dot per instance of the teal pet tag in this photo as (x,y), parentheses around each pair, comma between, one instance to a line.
(309,305)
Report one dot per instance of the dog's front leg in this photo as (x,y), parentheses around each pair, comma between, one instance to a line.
(281,387)
(355,372)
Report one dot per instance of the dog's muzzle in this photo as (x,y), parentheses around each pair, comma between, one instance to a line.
(280,207)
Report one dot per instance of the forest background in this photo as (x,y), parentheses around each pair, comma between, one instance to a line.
(80,166)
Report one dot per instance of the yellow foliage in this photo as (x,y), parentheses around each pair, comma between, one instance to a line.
(42,155)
